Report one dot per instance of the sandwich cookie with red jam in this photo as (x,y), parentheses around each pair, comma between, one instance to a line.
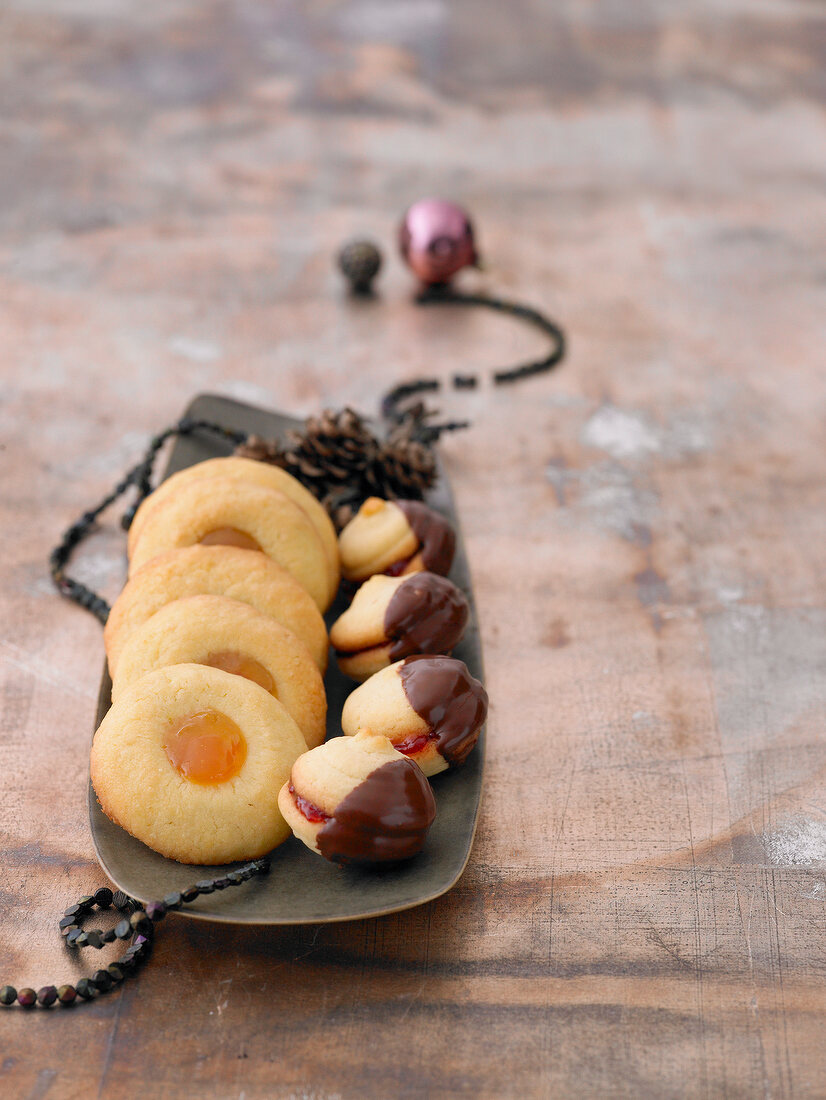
(430,708)
(394,617)
(356,800)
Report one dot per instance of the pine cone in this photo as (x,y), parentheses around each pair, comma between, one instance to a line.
(407,469)
(342,463)
(262,450)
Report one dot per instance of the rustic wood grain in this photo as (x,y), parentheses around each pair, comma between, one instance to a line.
(643,914)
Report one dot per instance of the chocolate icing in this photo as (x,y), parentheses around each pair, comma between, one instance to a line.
(384,818)
(436,536)
(451,701)
(426,614)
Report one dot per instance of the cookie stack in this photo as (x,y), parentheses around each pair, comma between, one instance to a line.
(216,649)
(212,750)
(364,798)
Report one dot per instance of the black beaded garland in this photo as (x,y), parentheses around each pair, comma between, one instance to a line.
(140,925)
(123,929)
(103,980)
(140,922)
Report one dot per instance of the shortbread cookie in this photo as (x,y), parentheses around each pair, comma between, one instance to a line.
(259,473)
(397,537)
(217,571)
(430,708)
(356,800)
(393,617)
(190,761)
(228,634)
(221,511)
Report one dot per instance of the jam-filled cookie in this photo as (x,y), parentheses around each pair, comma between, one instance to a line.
(190,761)
(356,800)
(430,708)
(225,633)
(393,617)
(225,511)
(217,571)
(397,537)
(259,473)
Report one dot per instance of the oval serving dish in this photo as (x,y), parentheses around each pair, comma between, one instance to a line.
(301,888)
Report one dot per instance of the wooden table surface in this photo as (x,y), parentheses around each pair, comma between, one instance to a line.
(643,913)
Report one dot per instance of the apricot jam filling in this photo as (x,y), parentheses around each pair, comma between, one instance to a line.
(230,536)
(206,748)
(240,665)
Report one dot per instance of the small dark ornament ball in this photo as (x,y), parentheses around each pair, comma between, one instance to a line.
(359,262)
(436,240)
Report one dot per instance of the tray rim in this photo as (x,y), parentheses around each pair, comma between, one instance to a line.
(93,805)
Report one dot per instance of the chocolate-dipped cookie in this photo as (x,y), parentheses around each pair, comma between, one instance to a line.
(430,708)
(397,537)
(356,800)
(393,617)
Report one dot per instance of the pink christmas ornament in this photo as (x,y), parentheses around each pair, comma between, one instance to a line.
(436,240)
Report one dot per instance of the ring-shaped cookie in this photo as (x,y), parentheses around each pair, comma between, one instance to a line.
(259,473)
(220,508)
(194,821)
(253,579)
(225,633)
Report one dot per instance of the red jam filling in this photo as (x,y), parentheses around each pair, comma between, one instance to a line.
(413,744)
(307,808)
(398,567)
